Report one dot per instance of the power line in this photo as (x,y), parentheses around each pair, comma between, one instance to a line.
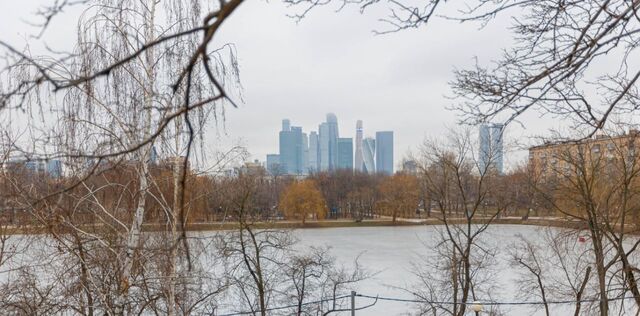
(492,303)
(407,300)
(287,306)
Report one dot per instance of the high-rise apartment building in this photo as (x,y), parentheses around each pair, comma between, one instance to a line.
(491,148)
(359,162)
(345,154)
(369,155)
(384,152)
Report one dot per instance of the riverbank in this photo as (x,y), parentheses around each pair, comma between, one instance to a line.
(383,222)
(340,223)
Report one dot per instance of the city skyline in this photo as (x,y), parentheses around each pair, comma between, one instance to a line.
(302,153)
(288,52)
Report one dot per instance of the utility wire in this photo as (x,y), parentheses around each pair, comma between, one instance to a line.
(490,303)
(406,300)
(285,307)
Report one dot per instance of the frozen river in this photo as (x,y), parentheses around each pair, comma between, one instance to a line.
(392,252)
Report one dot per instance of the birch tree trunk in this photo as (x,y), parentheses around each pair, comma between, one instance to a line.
(133,238)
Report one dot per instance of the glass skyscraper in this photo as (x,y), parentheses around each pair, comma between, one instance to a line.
(323,147)
(292,149)
(304,164)
(491,149)
(345,153)
(328,140)
(496,142)
(369,155)
(332,122)
(324,150)
(384,152)
(313,152)
(359,162)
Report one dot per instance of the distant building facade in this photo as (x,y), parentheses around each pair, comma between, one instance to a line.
(51,168)
(369,155)
(323,150)
(332,122)
(553,159)
(359,159)
(291,149)
(491,151)
(384,152)
(251,168)
(345,154)
(312,162)
(273,164)
(328,143)
(323,147)
(304,164)
(410,167)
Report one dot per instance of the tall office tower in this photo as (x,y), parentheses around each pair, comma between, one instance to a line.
(332,123)
(273,164)
(286,125)
(496,143)
(313,152)
(484,155)
(359,163)
(368,155)
(384,152)
(300,165)
(305,154)
(323,147)
(491,149)
(345,154)
(291,149)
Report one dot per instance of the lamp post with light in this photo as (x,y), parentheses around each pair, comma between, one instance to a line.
(476,307)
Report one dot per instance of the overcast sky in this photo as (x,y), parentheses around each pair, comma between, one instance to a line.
(330,62)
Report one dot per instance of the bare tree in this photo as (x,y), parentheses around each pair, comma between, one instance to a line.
(460,270)
(594,183)
(555,268)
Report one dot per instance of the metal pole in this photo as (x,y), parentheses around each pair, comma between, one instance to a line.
(353,303)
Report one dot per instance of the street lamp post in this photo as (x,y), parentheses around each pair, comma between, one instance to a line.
(476,307)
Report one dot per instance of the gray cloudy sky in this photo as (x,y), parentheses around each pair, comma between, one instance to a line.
(329,62)
(332,62)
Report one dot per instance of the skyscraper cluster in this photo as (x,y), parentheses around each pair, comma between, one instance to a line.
(325,150)
(491,149)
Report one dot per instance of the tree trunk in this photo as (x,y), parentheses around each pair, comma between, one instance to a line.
(143,170)
(600,270)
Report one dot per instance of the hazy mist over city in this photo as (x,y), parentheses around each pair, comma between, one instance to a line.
(331,62)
